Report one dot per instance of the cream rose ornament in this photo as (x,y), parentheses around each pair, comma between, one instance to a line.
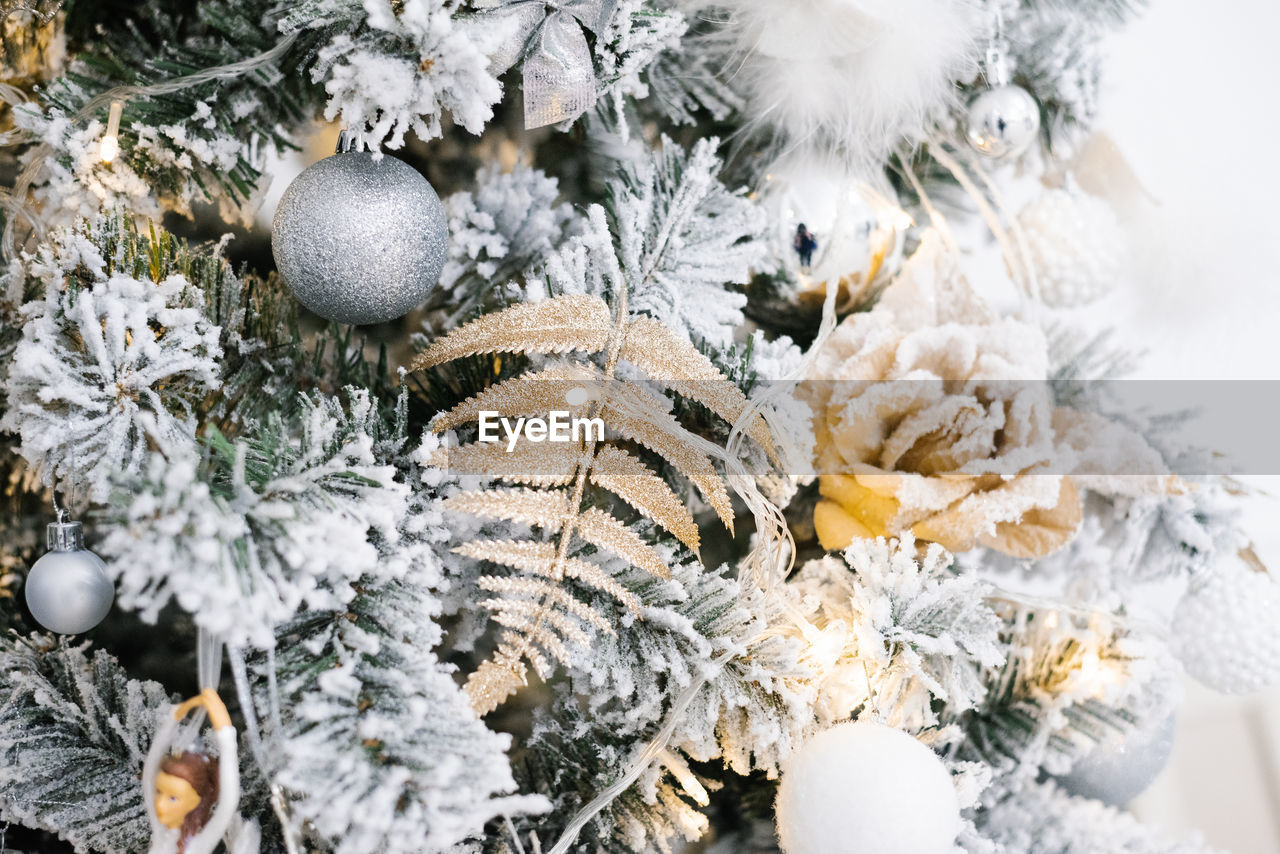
(933,416)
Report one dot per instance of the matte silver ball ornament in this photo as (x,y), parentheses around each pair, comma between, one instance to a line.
(1117,773)
(360,240)
(1002,121)
(67,589)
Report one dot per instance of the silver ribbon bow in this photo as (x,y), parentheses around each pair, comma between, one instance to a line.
(559,79)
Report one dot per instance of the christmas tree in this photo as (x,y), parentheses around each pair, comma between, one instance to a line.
(615,444)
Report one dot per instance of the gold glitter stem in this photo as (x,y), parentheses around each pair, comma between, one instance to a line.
(589,455)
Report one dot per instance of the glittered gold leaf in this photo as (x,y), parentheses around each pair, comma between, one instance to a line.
(550,509)
(541,559)
(608,534)
(534,464)
(541,588)
(541,619)
(574,322)
(548,627)
(637,415)
(677,364)
(497,678)
(527,394)
(635,483)
(544,508)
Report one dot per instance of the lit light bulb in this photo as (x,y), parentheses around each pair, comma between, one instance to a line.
(110,145)
(1090,667)
(109,148)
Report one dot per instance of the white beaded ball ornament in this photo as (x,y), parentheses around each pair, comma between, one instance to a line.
(862,787)
(1226,629)
(1075,245)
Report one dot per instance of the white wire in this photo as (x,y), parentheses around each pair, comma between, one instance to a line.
(641,762)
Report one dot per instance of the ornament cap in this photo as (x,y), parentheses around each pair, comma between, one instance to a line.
(64,536)
(997,64)
(349,141)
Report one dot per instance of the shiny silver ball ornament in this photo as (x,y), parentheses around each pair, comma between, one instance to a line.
(1117,773)
(68,590)
(1002,121)
(360,240)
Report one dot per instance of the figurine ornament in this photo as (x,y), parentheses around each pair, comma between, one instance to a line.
(191,797)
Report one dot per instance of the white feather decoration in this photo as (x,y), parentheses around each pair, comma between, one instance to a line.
(846,77)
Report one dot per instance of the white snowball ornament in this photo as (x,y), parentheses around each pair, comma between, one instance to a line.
(1076,246)
(1226,629)
(863,787)
(360,240)
(68,590)
(1117,773)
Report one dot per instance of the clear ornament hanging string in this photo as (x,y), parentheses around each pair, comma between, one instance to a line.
(1011,239)
(279,803)
(1014,250)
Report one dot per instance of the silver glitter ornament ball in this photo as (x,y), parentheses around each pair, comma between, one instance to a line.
(1117,773)
(1226,629)
(68,590)
(1002,121)
(360,240)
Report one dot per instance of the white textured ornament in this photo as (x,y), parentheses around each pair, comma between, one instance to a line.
(1002,121)
(1226,629)
(1117,773)
(863,787)
(360,240)
(68,590)
(1076,246)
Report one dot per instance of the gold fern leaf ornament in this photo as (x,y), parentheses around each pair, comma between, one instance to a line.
(542,618)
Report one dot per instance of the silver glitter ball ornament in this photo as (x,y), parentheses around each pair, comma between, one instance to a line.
(360,240)
(1002,121)
(68,590)
(1117,773)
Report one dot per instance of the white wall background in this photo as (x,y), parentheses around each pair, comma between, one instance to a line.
(1190,100)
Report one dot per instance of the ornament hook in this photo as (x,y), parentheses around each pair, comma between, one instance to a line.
(996,65)
(349,141)
(57,508)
